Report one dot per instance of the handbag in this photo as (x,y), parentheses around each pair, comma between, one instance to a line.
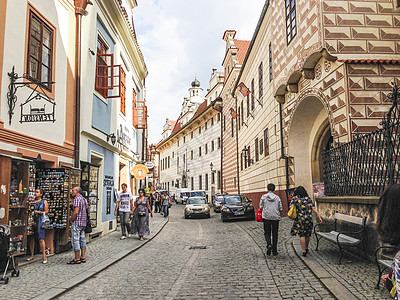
(88,227)
(45,221)
(292,213)
(259,215)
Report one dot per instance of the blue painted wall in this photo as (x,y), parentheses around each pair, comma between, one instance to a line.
(101,111)
(108,169)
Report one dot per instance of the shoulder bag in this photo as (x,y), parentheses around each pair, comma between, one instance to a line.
(292,213)
(88,228)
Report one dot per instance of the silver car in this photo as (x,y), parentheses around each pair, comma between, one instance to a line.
(197,207)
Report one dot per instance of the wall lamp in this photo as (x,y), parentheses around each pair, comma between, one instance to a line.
(245,153)
(112,137)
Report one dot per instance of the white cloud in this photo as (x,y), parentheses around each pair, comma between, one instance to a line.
(181,39)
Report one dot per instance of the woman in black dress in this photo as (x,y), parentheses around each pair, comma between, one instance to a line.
(141,211)
(303,224)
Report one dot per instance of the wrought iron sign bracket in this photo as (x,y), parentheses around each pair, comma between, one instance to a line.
(15,85)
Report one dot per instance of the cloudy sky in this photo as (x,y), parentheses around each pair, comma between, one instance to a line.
(181,39)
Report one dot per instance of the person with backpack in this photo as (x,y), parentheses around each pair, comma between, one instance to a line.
(141,211)
(157,203)
(388,227)
(271,206)
(125,208)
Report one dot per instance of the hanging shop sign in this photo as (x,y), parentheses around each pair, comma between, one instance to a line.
(149,164)
(140,171)
(123,136)
(38,108)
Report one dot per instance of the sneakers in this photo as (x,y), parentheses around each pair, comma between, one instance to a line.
(269,249)
(123,237)
(130,235)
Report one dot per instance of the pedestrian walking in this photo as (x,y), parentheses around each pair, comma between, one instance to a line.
(388,227)
(303,224)
(271,206)
(157,203)
(166,202)
(141,211)
(78,221)
(124,208)
(152,200)
(41,208)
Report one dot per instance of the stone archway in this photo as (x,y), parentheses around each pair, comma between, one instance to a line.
(309,135)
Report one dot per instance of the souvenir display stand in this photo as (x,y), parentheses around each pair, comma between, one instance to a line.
(89,185)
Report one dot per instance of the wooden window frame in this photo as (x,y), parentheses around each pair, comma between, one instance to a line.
(252,95)
(266,142)
(261,146)
(290,18)
(33,14)
(257,156)
(260,81)
(271,75)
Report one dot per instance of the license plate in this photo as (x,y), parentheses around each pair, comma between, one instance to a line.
(239,213)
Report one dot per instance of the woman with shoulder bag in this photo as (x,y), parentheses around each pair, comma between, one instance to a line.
(40,210)
(303,223)
(141,210)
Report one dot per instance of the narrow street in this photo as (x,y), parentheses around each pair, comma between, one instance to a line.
(232,266)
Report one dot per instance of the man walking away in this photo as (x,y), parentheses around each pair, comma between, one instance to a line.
(125,208)
(78,221)
(271,206)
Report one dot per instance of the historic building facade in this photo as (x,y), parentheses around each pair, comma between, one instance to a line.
(190,152)
(319,72)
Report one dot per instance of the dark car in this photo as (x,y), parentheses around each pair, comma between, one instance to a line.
(237,207)
(218,203)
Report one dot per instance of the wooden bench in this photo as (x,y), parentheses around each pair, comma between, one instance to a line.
(384,260)
(343,238)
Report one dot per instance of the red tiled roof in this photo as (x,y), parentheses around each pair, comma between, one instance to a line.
(172,123)
(388,61)
(177,126)
(242,46)
(201,108)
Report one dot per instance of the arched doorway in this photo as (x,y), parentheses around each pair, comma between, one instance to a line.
(309,136)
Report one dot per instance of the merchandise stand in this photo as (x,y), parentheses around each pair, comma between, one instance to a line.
(90,175)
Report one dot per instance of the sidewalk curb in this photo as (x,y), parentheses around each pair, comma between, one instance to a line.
(338,290)
(54,292)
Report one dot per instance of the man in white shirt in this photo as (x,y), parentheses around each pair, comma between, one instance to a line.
(125,208)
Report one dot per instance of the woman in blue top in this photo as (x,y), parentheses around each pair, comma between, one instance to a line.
(41,207)
(388,227)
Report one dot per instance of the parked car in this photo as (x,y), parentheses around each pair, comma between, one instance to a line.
(197,206)
(218,203)
(237,207)
(182,195)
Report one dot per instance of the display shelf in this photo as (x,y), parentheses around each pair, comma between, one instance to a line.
(15,206)
(17,226)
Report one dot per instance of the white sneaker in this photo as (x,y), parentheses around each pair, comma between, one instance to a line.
(123,237)
(130,235)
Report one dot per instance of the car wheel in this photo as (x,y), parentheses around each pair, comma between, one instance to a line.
(208,216)
(186,217)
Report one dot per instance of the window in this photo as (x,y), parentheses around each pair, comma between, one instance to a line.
(177,183)
(290,20)
(248,105)
(191,135)
(219,179)
(241,161)
(219,117)
(212,177)
(219,143)
(177,162)
(249,155)
(270,62)
(200,183)
(123,92)
(205,126)
(212,146)
(205,149)
(40,51)
(184,159)
(261,147)
(242,115)
(199,129)
(102,68)
(199,151)
(169,160)
(134,98)
(178,143)
(266,142)
(224,123)
(184,139)
(192,183)
(206,182)
(256,149)
(252,95)
(191,154)
(260,81)
(234,182)
(212,121)
(173,154)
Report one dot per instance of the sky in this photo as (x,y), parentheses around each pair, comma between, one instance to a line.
(181,39)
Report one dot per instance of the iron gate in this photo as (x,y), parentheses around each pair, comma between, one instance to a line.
(369,163)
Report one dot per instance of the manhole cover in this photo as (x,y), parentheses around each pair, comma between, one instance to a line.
(197,247)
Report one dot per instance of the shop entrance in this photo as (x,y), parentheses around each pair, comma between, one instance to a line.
(309,136)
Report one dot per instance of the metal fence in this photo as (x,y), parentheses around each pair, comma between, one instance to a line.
(369,163)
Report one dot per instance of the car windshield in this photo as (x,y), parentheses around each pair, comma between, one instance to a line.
(232,199)
(198,193)
(196,201)
(185,194)
(219,199)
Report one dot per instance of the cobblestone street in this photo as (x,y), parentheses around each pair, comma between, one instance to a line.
(233,265)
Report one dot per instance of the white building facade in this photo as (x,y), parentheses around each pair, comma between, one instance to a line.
(190,153)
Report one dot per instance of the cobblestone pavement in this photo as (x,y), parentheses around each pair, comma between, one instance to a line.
(233,266)
(37,278)
(356,274)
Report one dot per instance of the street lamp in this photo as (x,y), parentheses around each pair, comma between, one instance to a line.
(211,167)
(112,137)
(245,153)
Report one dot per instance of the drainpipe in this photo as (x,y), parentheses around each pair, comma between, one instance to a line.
(219,110)
(80,10)
(283,149)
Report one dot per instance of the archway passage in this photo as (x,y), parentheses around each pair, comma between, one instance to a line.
(309,136)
